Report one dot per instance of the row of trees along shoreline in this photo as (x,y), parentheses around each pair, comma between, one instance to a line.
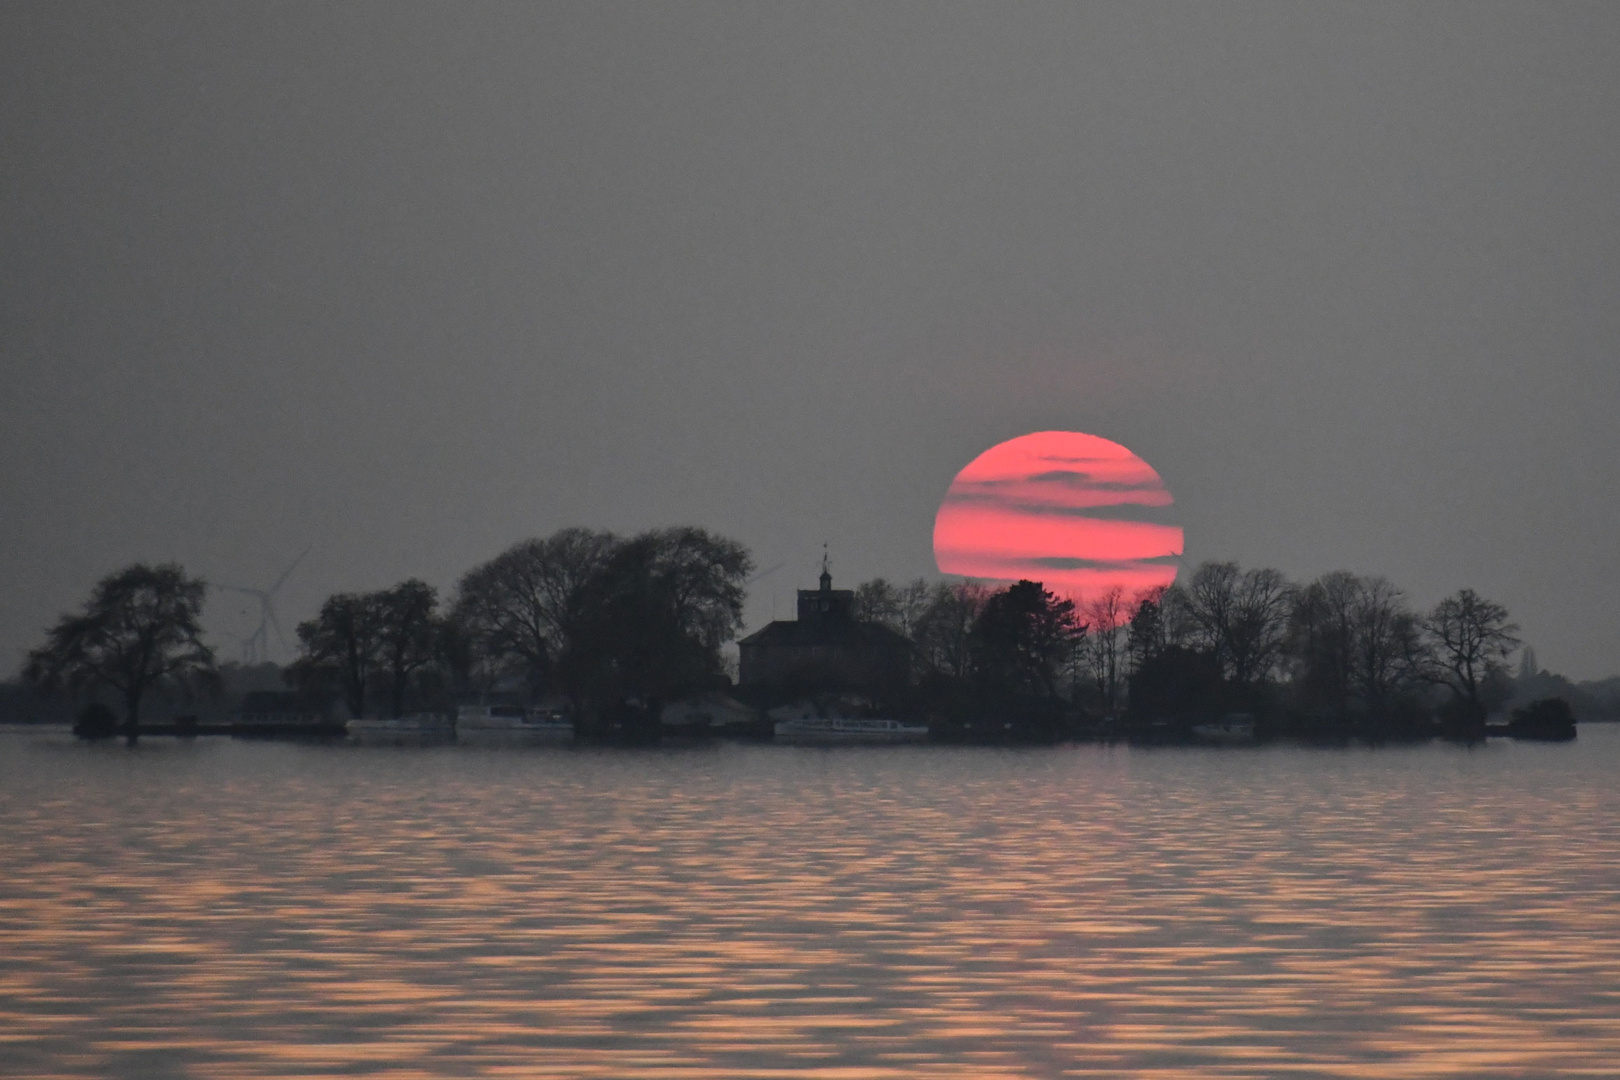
(617,627)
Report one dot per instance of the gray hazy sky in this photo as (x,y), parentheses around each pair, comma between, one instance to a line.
(410,283)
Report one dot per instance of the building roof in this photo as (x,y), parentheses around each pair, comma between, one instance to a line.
(786,633)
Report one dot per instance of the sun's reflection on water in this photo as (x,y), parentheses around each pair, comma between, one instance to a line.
(228,910)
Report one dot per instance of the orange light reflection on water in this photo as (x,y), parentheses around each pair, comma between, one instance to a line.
(235,910)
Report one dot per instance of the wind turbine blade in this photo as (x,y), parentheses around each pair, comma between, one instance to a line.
(765,573)
(270,612)
(288,572)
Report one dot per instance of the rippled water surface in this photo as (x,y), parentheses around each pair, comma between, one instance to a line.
(227,909)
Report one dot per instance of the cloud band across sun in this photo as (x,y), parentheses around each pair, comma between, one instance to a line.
(1077,512)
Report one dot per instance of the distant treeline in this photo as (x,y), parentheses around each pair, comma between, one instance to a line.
(1343,655)
(618,626)
(615,625)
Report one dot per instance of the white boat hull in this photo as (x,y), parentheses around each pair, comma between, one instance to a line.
(845,732)
(512,724)
(519,731)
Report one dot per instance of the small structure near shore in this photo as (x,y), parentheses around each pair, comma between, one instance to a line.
(825,648)
(283,714)
(1547,720)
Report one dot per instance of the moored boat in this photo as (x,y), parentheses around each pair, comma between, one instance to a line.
(802,724)
(1231,728)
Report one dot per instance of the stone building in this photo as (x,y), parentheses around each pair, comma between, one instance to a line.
(825,648)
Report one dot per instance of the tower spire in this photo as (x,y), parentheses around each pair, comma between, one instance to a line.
(826,570)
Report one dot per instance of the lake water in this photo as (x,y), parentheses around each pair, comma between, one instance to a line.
(226,909)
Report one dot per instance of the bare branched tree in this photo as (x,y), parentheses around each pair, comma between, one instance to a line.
(899,607)
(1178,625)
(1107,620)
(1384,643)
(944,630)
(1471,639)
(1239,616)
(704,576)
(523,608)
(1321,640)
(1210,601)
(877,601)
(1259,625)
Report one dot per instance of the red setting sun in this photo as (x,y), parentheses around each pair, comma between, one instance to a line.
(1074,511)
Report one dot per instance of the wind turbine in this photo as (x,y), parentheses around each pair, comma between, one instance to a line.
(256,647)
(765,573)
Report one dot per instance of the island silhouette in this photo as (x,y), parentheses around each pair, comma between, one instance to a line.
(612,639)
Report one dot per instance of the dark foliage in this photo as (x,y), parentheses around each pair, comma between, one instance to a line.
(616,625)
(1176,687)
(95,721)
(389,642)
(992,665)
(520,613)
(340,649)
(408,635)
(652,620)
(1549,718)
(139,632)
(622,626)
(1021,640)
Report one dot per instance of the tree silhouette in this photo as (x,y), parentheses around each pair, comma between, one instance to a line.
(383,639)
(944,629)
(1240,616)
(1322,642)
(1471,638)
(139,631)
(1145,635)
(653,619)
(1022,638)
(899,607)
(340,645)
(1107,628)
(407,635)
(524,609)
